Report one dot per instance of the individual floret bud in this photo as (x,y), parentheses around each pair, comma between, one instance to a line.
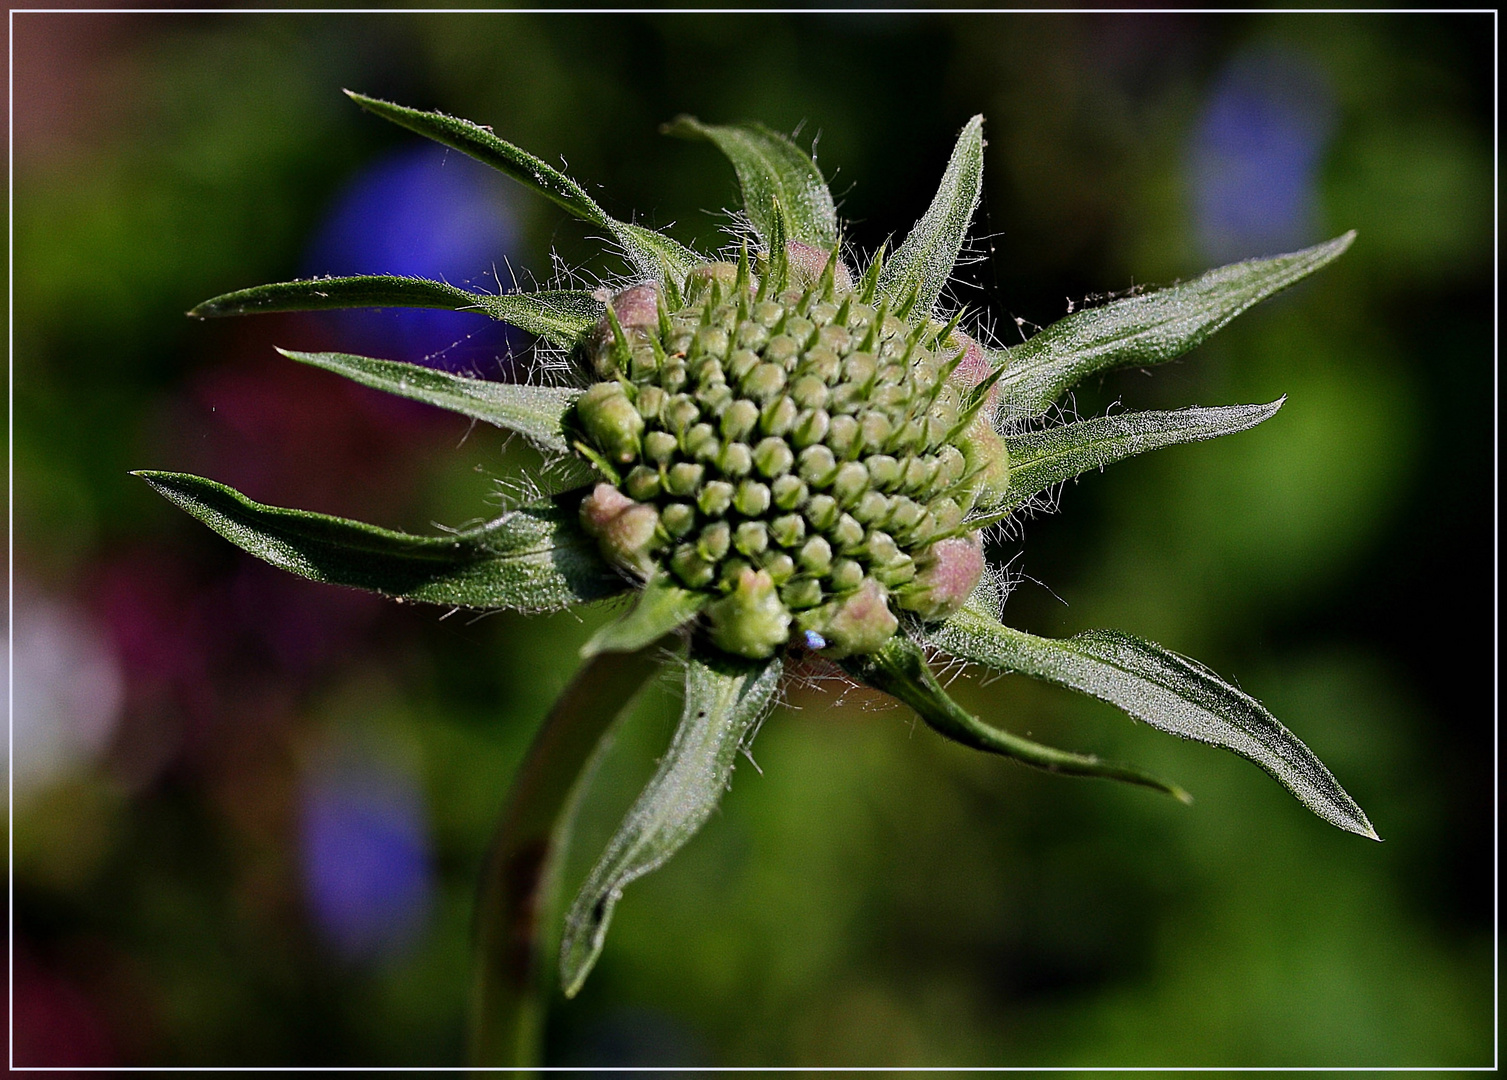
(946,574)
(611,421)
(807,264)
(750,620)
(715,540)
(699,281)
(802,593)
(715,497)
(678,518)
(858,623)
(691,568)
(973,369)
(642,483)
(660,446)
(988,461)
(751,538)
(637,311)
(773,457)
(624,530)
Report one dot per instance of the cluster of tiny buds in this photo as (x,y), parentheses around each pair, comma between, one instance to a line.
(803,457)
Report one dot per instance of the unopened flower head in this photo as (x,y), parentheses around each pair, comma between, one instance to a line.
(781,455)
(777,420)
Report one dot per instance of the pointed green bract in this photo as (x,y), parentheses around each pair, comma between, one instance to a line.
(1144,329)
(535,412)
(900,670)
(661,608)
(926,259)
(530,559)
(1164,690)
(1039,459)
(724,702)
(651,254)
(558,316)
(778,178)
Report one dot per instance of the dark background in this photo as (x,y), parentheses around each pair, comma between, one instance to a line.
(249,810)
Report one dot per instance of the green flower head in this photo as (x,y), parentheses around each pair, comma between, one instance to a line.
(784,450)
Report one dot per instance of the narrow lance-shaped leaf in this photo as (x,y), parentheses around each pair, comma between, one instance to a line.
(724,702)
(650,252)
(1144,329)
(1162,689)
(659,608)
(530,559)
(778,178)
(900,670)
(536,412)
(559,316)
(926,258)
(1039,459)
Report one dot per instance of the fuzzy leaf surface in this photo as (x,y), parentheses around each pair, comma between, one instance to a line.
(535,412)
(926,258)
(724,702)
(558,316)
(900,670)
(661,607)
(778,178)
(1146,329)
(651,253)
(1164,690)
(530,559)
(1039,459)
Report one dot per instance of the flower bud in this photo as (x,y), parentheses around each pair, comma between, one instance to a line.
(637,311)
(859,623)
(611,421)
(750,620)
(989,461)
(624,529)
(807,264)
(946,574)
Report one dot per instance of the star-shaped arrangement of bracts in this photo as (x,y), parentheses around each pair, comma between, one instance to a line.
(778,455)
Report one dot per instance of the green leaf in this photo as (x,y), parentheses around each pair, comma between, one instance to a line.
(536,412)
(778,178)
(926,259)
(900,670)
(651,253)
(558,316)
(659,609)
(1144,329)
(1165,690)
(724,702)
(531,559)
(1039,459)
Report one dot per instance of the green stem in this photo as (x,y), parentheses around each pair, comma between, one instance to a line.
(517,896)
(900,670)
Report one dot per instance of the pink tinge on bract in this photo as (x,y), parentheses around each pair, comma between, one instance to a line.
(624,529)
(974,368)
(946,576)
(637,306)
(807,264)
(637,309)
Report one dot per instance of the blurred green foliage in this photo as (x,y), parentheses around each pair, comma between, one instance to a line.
(870,895)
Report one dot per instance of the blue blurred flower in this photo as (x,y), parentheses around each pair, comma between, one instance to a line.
(422,212)
(367,873)
(1255,154)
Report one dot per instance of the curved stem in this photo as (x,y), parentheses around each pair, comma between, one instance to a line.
(517,896)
